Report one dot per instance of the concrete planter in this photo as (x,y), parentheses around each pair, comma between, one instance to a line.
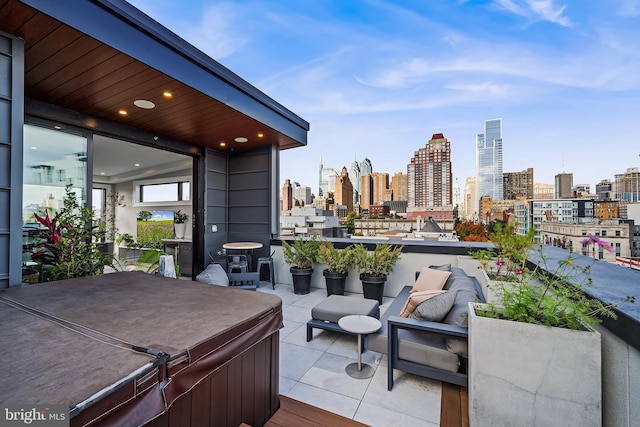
(530,375)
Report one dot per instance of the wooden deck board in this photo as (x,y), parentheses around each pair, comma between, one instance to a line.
(454,412)
(295,413)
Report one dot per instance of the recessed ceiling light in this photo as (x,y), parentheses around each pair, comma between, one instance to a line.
(143,103)
(102,173)
(136,164)
(122,112)
(57,127)
(241,139)
(223,144)
(260,135)
(167,94)
(34,148)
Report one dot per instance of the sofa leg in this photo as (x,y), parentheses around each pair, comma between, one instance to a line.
(309,332)
(389,376)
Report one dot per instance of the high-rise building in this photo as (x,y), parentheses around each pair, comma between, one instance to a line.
(303,194)
(604,190)
(628,185)
(399,186)
(343,194)
(375,187)
(287,195)
(518,184)
(430,180)
(365,167)
(354,175)
(327,177)
(563,185)
(489,160)
(470,204)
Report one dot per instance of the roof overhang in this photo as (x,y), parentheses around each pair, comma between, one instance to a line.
(98,56)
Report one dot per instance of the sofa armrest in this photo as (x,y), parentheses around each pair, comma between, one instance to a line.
(397,322)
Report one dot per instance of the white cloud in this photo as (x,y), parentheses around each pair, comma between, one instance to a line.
(219,32)
(536,10)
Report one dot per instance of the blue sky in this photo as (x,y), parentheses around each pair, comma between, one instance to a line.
(377,78)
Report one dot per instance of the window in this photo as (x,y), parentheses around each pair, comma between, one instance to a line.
(617,233)
(604,233)
(617,249)
(176,190)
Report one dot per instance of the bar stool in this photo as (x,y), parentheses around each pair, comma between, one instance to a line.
(268,261)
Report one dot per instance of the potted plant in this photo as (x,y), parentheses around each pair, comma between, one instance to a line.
(534,346)
(374,267)
(301,255)
(179,223)
(338,264)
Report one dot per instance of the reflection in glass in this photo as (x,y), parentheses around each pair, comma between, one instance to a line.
(52,160)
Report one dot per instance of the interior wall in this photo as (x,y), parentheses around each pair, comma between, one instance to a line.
(126,215)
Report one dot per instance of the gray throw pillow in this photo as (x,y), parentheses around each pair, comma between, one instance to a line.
(443,267)
(435,308)
(214,274)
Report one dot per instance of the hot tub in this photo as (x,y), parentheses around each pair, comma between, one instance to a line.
(132,349)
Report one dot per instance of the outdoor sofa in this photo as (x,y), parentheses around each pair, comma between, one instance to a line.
(430,349)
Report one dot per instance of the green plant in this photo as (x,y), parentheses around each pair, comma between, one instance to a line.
(378,262)
(303,253)
(180,217)
(70,242)
(508,261)
(337,261)
(551,296)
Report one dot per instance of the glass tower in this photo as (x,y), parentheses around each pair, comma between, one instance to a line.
(489,161)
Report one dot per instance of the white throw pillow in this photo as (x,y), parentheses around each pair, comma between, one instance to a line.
(213,274)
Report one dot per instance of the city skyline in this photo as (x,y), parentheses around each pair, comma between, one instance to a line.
(376,79)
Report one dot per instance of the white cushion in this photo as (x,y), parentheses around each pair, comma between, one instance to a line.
(213,274)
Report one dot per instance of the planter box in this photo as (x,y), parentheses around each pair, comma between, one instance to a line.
(530,375)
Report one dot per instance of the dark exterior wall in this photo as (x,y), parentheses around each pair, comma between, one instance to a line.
(215,203)
(11,121)
(242,199)
(253,197)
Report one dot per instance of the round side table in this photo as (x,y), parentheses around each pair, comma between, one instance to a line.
(359,324)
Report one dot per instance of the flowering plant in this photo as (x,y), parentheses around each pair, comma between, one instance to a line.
(596,241)
(550,294)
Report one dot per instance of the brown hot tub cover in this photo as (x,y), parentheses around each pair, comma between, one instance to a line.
(71,342)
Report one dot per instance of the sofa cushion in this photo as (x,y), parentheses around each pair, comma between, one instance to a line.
(466,292)
(417,298)
(443,267)
(213,274)
(430,279)
(434,309)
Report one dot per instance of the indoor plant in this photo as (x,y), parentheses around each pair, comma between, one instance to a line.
(374,267)
(179,221)
(534,345)
(338,264)
(301,255)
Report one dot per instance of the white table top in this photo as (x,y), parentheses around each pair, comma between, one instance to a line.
(359,324)
(242,245)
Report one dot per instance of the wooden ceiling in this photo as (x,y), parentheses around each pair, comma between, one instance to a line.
(67,68)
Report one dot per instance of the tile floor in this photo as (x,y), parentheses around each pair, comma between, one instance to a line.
(313,372)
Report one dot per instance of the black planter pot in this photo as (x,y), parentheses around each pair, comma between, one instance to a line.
(301,280)
(336,282)
(373,286)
